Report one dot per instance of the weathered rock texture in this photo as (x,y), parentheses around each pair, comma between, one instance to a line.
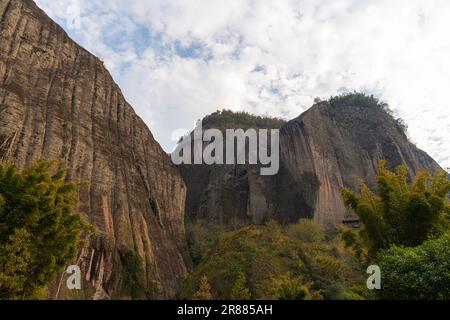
(322,151)
(57,101)
(230,195)
(328,148)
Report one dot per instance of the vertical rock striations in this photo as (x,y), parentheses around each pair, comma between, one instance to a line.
(322,151)
(328,148)
(57,101)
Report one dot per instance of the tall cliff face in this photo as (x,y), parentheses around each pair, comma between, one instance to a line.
(322,151)
(328,148)
(230,195)
(57,101)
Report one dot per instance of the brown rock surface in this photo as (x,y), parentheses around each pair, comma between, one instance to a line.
(230,195)
(57,101)
(328,148)
(322,151)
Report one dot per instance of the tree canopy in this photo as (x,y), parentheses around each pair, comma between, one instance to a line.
(406,230)
(401,213)
(420,273)
(40,230)
(242,118)
(272,262)
(360,99)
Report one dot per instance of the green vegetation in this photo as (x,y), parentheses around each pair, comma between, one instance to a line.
(201,238)
(240,290)
(307,231)
(264,262)
(356,99)
(134,277)
(204,290)
(40,230)
(363,100)
(406,232)
(236,119)
(421,273)
(287,287)
(401,213)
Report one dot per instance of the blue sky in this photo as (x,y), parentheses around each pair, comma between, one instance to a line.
(179,60)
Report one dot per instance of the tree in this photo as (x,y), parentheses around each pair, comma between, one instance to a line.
(417,273)
(354,99)
(288,287)
(204,290)
(400,213)
(306,230)
(240,290)
(15,258)
(39,228)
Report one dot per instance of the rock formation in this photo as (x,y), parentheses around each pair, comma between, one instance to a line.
(324,150)
(328,148)
(230,195)
(57,101)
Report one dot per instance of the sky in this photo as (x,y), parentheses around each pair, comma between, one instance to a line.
(178,60)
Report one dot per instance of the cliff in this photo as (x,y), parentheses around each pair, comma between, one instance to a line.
(330,147)
(57,101)
(231,195)
(322,151)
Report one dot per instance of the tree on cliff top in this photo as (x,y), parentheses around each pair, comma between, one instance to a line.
(39,228)
(242,118)
(354,99)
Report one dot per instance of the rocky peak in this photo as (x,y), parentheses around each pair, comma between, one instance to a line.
(325,149)
(337,144)
(57,101)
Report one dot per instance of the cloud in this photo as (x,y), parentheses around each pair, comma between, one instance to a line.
(179,60)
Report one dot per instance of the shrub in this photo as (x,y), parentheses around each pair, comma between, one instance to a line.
(134,277)
(40,230)
(201,238)
(400,213)
(356,99)
(242,118)
(288,287)
(360,99)
(240,290)
(204,290)
(306,230)
(267,264)
(420,273)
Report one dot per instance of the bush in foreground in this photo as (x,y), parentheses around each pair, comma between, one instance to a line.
(39,228)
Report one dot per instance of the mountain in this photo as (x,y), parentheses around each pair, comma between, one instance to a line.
(232,195)
(335,145)
(58,101)
(325,149)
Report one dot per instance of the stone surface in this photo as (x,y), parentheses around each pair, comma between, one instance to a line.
(57,101)
(322,151)
(328,148)
(230,195)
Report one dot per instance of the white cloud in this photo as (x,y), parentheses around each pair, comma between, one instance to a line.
(179,60)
